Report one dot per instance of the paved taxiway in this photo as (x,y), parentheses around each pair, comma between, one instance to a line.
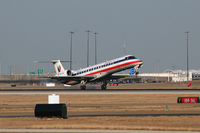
(84,131)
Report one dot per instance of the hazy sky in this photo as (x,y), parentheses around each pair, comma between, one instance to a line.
(152,29)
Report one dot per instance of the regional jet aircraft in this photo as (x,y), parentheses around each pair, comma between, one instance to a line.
(98,73)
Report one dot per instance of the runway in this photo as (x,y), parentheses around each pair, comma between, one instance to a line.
(94,91)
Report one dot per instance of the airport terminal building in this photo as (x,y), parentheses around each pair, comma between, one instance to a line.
(172,76)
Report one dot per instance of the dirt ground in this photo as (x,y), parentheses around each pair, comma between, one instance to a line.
(121,123)
(109,111)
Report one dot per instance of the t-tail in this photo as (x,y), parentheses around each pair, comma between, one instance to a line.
(58,67)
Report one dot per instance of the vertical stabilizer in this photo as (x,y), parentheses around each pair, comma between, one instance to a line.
(58,67)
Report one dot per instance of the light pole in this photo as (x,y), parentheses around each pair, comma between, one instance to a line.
(71,50)
(88,31)
(95,35)
(187,33)
(0,68)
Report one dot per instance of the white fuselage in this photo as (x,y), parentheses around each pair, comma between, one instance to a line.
(107,68)
(96,72)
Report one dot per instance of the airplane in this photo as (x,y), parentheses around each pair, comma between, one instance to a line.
(97,73)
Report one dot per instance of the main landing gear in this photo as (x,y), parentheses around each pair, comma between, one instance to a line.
(83,85)
(104,85)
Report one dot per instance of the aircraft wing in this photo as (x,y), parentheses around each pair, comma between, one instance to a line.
(113,76)
(66,78)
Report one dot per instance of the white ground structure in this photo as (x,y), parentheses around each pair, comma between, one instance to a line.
(54,99)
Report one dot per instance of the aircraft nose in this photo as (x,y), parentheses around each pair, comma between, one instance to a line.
(141,63)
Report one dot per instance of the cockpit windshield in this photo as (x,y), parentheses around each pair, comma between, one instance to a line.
(130,57)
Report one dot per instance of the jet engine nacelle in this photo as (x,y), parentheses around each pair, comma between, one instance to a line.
(69,73)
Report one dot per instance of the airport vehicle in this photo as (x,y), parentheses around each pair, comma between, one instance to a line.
(97,73)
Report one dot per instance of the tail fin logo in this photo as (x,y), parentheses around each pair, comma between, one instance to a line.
(59,68)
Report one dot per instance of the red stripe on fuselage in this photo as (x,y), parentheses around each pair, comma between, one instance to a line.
(114,67)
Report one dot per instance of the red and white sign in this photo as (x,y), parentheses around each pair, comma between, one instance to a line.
(189,99)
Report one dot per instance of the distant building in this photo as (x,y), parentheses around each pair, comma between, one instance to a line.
(170,76)
(195,76)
